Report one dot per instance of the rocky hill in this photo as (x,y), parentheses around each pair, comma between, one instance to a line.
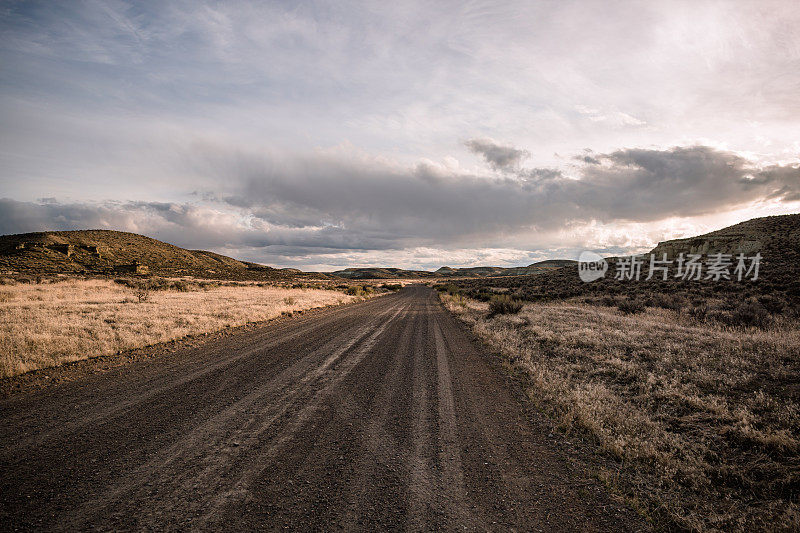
(750,237)
(117,252)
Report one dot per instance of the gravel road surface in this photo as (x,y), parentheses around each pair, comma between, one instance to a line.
(378,415)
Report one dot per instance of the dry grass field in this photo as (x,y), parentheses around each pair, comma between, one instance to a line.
(42,325)
(699,423)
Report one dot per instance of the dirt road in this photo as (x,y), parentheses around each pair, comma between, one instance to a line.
(378,415)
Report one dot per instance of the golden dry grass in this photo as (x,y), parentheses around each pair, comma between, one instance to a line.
(702,422)
(49,324)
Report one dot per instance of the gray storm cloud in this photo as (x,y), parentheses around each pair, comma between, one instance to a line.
(424,206)
(327,203)
(497,155)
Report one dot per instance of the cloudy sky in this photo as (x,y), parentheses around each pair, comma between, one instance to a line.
(413,134)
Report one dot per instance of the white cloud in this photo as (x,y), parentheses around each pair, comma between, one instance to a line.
(613,118)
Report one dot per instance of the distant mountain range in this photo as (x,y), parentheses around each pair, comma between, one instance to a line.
(118,252)
(110,252)
(448,272)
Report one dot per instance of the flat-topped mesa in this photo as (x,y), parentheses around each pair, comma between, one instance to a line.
(731,244)
(775,235)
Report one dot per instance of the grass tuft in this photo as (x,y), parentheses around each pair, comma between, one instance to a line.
(503,304)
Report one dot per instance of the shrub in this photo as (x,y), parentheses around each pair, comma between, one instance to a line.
(142,292)
(630,306)
(608,301)
(208,285)
(666,301)
(460,300)
(502,304)
(181,286)
(699,311)
(482,295)
(750,314)
(354,290)
(449,288)
(772,303)
(746,314)
(359,290)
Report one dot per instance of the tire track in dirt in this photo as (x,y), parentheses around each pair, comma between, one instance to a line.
(421,483)
(452,479)
(380,451)
(320,384)
(224,441)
